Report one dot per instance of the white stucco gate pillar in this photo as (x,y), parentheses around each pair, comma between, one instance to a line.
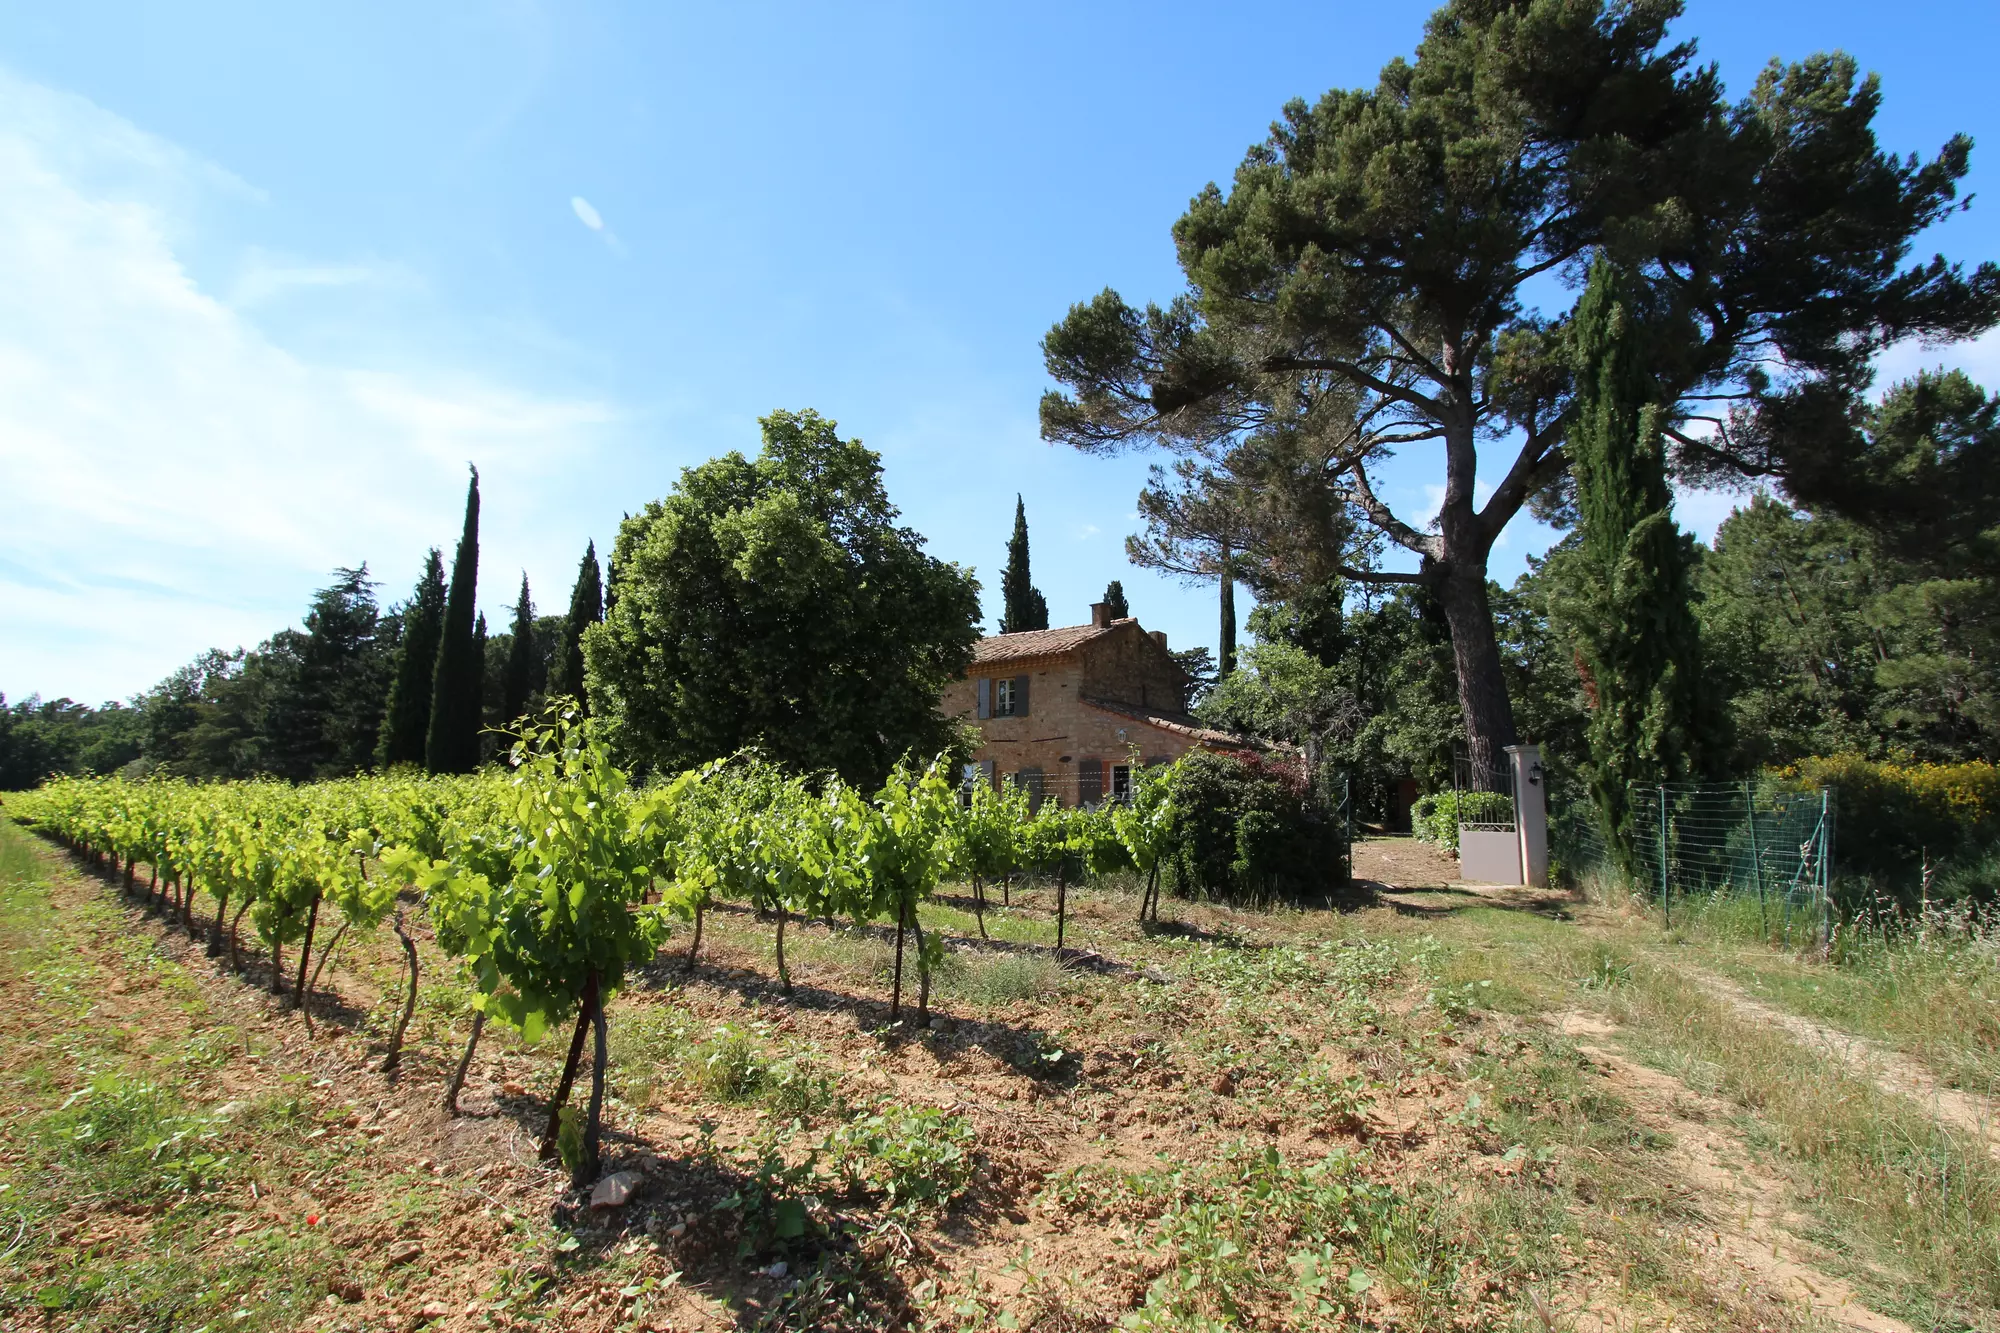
(1531,813)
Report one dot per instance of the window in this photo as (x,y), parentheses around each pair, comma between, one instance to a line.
(1030,780)
(1121,782)
(1003,697)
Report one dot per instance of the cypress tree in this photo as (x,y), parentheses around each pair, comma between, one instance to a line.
(1637,639)
(452,743)
(519,682)
(586,608)
(1114,600)
(406,720)
(1022,605)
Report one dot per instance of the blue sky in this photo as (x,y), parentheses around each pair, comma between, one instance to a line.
(270,275)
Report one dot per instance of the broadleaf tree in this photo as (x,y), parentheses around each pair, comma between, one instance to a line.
(776,602)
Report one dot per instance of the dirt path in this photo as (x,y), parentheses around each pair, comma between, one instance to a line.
(1749,1236)
(1403,863)
(1888,1070)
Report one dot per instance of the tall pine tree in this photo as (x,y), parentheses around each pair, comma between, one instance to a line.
(1022,604)
(518,685)
(586,608)
(1114,600)
(1636,634)
(407,719)
(452,743)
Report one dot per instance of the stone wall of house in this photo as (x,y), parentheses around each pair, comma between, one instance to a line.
(1130,666)
(1061,735)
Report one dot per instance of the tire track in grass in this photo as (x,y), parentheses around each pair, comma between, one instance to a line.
(1890,1071)
(1749,1240)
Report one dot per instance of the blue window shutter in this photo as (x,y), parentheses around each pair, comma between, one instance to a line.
(985,697)
(1020,696)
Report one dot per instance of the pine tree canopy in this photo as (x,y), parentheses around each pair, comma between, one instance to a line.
(1368,281)
(452,743)
(1022,605)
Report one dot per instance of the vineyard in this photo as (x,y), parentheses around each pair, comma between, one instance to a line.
(546,884)
(314,1058)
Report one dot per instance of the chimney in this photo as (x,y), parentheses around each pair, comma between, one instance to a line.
(1159,637)
(1100,615)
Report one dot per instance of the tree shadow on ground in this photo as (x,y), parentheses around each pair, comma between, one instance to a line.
(1553,905)
(1019,1045)
(1074,959)
(739,1233)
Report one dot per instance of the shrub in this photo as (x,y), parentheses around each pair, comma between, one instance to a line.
(1250,830)
(1889,816)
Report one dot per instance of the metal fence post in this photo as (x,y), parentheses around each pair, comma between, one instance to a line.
(1756,857)
(1824,867)
(1666,898)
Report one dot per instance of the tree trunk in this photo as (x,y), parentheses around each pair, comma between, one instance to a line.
(593,1128)
(979,906)
(1007,890)
(694,950)
(236,935)
(896,992)
(1062,903)
(1475,650)
(784,977)
(464,1062)
(548,1148)
(395,1055)
(1146,898)
(305,952)
(923,973)
(277,966)
(312,984)
(215,936)
(1225,658)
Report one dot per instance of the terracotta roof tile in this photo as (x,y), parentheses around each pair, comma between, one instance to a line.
(1034,643)
(1179,723)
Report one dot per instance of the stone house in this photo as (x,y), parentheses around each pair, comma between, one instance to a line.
(1064,711)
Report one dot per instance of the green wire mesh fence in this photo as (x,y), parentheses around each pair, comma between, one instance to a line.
(1734,847)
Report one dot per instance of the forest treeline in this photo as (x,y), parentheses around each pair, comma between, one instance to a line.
(773,601)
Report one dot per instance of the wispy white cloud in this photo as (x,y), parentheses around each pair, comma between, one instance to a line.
(591,218)
(175,477)
(264,278)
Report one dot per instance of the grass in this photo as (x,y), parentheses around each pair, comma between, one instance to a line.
(1915,1203)
(98,1131)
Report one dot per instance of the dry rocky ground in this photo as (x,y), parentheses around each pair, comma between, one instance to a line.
(1415,1110)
